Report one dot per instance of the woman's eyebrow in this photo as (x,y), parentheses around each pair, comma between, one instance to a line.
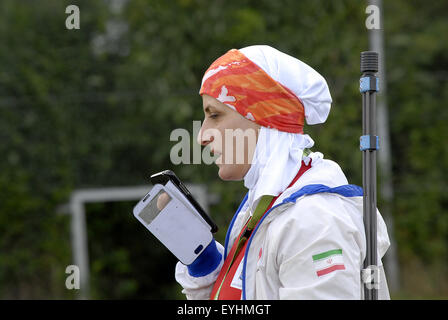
(207,108)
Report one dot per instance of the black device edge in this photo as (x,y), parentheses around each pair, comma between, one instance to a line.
(168,175)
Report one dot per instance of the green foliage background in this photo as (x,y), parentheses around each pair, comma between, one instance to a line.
(95,107)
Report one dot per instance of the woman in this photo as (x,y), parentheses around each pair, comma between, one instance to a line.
(298,233)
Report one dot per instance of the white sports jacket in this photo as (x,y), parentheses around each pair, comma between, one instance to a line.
(310,248)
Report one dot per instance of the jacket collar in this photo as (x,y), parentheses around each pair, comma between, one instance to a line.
(322,171)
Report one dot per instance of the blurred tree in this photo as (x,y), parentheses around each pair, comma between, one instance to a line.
(96,106)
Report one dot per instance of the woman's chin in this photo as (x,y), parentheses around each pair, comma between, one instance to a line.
(231,172)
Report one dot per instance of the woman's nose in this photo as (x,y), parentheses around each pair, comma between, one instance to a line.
(204,136)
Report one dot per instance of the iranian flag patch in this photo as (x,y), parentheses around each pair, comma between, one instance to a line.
(328,261)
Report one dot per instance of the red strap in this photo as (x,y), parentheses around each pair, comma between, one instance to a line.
(227,291)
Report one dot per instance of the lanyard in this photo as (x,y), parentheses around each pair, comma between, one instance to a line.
(264,203)
(261,208)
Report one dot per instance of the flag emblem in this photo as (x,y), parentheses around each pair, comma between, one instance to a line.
(328,261)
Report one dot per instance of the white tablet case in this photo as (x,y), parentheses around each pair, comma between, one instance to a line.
(178,226)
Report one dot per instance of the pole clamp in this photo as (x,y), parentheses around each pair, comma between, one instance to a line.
(369,83)
(369,142)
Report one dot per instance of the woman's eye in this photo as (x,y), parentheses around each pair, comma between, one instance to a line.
(213,115)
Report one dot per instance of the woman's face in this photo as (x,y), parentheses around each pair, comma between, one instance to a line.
(230,136)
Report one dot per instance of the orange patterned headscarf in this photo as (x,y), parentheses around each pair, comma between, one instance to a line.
(236,81)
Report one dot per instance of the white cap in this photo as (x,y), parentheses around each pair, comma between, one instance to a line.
(305,82)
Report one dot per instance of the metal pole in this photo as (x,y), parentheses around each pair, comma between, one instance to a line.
(368,145)
(386,191)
